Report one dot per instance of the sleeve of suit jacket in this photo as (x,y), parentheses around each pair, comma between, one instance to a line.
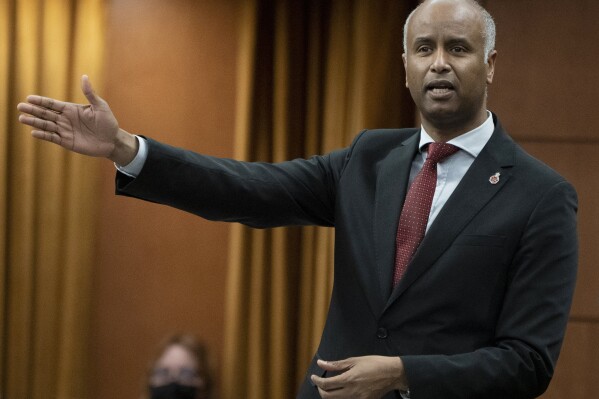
(298,192)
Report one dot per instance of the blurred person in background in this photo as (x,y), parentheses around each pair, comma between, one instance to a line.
(180,370)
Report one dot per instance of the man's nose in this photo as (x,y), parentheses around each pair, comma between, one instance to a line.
(440,62)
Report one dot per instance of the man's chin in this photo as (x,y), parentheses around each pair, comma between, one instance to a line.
(448,120)
(441,116)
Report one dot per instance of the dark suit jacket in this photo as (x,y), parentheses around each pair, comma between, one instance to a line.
(482,309)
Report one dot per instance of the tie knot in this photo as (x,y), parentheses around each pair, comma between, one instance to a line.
(439,151)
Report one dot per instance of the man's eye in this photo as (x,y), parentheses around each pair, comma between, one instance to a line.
(423,49)
(458,49)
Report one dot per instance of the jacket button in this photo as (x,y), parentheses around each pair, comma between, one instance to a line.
(381,333)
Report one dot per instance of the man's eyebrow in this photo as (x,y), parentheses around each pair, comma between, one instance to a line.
(459,40)
(423,39)
(464,41)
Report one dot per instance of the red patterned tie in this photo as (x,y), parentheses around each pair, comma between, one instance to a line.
(417,206)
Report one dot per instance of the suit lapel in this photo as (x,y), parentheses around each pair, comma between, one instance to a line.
(471,195)
(391,187)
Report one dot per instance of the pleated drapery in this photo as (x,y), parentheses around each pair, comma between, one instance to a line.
(312,75)
(47,202)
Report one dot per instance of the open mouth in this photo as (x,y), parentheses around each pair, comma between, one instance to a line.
(439,87)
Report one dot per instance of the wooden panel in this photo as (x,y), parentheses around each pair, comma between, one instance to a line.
(579,163)
(544,92)
(170,75)
(545,86)
(576,371)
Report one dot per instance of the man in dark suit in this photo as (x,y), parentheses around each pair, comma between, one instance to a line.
(470,302)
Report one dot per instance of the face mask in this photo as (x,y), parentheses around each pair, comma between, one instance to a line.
(173,391)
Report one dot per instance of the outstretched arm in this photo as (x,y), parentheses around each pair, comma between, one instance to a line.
(87,129)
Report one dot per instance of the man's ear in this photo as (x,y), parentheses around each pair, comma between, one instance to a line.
(405,67)
(491,66)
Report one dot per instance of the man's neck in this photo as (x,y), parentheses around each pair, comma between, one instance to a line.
(442,131)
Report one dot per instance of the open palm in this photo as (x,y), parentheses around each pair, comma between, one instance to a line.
(87,129)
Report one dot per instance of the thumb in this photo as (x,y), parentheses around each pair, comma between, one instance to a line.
(88,91)
(338,365)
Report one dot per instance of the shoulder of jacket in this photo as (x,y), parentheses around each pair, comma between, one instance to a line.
(543,173)
(383,137)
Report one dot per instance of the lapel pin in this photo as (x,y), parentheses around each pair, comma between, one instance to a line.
(495,178)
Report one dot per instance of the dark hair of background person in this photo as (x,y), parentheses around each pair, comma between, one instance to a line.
(197,349)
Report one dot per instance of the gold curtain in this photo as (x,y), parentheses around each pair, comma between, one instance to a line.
(47,201)
(312,74)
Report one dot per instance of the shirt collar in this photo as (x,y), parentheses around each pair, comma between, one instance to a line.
(472,142)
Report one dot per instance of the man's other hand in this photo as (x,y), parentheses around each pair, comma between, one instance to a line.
(366,377)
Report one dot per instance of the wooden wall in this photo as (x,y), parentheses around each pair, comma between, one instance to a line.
(544,92)
(170,74)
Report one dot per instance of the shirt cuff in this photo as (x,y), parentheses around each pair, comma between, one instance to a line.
(133,168)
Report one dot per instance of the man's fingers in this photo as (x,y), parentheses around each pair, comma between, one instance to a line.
(337,393)
(47,102)
(333,366)
(39,112)
(88,91)
(38,123)
(332,385)
(47,136)
(328,384)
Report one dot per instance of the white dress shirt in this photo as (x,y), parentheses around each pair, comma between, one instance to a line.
(133,168)
(451,170)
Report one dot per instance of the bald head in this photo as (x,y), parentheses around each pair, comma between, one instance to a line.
(488,24)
